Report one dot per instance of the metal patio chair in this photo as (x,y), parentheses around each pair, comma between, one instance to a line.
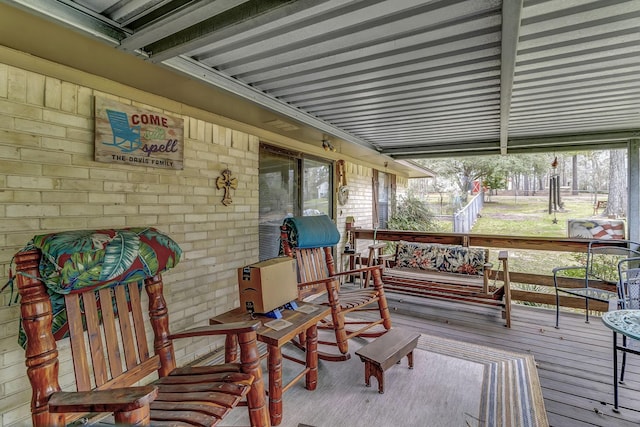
(600,267)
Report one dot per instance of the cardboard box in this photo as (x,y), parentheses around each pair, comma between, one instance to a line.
(268,284)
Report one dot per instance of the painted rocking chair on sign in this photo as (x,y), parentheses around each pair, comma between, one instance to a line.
(123,132)
(86,285)
(309,240)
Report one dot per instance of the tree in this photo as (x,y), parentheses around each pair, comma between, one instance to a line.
(412,214)
(617,201)
(463,171)
(574,178)
(494,182)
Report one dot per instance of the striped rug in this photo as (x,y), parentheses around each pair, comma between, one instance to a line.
(510,393)
(452,384)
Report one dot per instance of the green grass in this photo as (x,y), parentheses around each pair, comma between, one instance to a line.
(529,216)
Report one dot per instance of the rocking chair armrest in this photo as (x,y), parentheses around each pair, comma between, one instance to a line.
(357,270)
(112,400)
(315,282)
(221,329)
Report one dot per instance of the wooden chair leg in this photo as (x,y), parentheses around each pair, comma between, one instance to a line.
(136,417)
(382,299)
(256,400)
(337,318)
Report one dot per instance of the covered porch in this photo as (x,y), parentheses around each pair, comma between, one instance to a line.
(574,365)
(423,79)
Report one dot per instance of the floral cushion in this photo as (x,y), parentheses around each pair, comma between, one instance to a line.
(75,261)
(443,258)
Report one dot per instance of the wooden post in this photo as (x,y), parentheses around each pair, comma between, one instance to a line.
(383,308)
(250,361)
(503,256)
(41,353)
(159,317)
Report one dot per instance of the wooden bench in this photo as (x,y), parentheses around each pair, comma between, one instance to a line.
(386,351)
(450,272)
(600,204)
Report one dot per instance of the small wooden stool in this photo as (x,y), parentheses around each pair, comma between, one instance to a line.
(386,351)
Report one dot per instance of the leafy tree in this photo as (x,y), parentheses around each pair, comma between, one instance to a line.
(463,171)
(495,181)
(412,214)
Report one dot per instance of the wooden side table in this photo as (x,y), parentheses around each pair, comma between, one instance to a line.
(301,323)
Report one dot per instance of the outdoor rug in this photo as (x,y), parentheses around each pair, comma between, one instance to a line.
(452,384)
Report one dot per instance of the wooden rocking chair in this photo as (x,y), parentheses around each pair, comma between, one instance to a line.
(105,323)
(309,239)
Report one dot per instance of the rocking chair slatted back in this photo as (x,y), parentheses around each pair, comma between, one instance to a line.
(318,280)
(103,357)
(312,269)
(111,355)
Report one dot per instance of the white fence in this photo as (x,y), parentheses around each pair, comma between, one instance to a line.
(464,219)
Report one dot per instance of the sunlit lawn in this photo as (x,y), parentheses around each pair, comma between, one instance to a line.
(529,216)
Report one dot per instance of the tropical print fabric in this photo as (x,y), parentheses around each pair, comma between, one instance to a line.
(75,261)
(444,258)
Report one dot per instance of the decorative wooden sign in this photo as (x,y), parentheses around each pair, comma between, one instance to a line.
(601,229)
(130,135)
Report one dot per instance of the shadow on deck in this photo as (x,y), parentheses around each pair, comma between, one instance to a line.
(575,362)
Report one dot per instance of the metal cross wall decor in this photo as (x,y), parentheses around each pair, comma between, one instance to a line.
(227,182)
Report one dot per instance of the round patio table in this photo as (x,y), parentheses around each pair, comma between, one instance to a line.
(627,323)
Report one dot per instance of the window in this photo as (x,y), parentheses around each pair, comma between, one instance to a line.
(383,196)
(291,184)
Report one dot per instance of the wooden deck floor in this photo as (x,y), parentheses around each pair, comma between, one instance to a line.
(575,362)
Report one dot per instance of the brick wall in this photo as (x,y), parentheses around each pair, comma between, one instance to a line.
(49,182)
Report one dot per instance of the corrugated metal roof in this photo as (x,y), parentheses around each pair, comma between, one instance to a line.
(407,78)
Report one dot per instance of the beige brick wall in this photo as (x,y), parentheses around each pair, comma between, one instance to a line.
(49,182)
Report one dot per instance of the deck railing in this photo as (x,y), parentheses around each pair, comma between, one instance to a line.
(509,243)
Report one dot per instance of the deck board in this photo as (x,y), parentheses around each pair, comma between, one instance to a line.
(574,362)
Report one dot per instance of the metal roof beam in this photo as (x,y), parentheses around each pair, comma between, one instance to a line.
(575,139)
(76,18)
(236,20)
(176,22)
(511,11)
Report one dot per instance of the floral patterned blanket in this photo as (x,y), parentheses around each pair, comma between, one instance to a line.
(443,258)
(75,261)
